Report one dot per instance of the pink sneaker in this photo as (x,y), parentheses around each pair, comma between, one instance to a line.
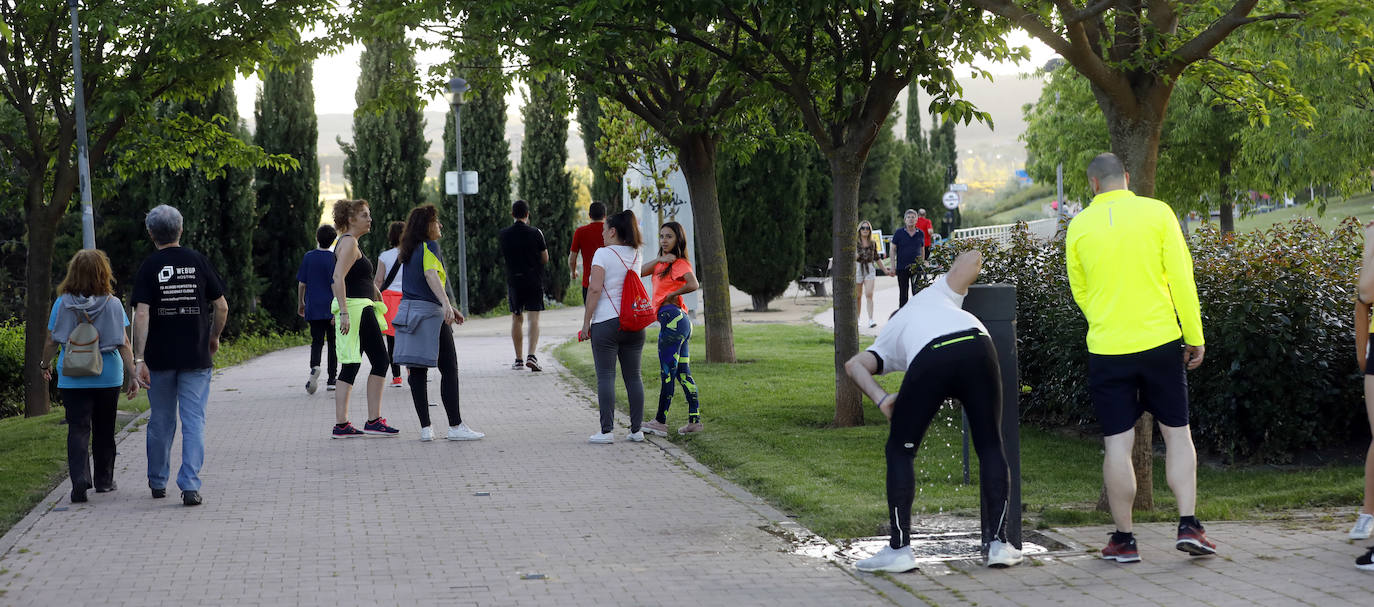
(655,427)
(690,428)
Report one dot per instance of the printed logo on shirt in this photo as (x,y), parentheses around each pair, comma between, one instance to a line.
(165,274)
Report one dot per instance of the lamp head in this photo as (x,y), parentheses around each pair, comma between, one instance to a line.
(456,88)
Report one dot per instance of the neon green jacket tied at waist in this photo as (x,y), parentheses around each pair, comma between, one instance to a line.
(1131,274)
(348,348)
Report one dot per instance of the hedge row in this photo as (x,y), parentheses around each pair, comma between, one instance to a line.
(1277,309)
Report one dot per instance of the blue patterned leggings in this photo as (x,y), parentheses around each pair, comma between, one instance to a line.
(675,330)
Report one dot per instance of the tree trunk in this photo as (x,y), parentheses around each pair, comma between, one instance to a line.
(697,157)
(845,171)
(42,229)
(1135,139)
(760,303)
(1228,207)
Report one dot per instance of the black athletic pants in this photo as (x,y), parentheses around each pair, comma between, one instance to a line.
(371,343)
(321,334)
(448,381)
(391,354)
(90,435)
(963,366)
(904,286)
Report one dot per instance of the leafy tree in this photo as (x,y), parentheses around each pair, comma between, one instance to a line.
(288,203)
(486,151)
(544,179)
(606,184)
(628,144)
(842,65)
(762,198)
(922,178)
(881,179)
(133,54)
(219,213)
(816,192)
(385,164)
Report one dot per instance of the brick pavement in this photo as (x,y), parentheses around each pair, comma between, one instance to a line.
(292,517)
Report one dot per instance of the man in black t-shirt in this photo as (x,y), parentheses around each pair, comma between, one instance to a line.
(526,255)
(179,311)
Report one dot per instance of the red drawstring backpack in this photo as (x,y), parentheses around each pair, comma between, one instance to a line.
(636,310)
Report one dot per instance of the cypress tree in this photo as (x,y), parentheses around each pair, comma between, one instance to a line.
(218,214)
(819,201)
(761,201)
(913,119)
(288,203)
(878,184)
(544,180)
(386,165)
(485,151)
(606,187)
(944,148)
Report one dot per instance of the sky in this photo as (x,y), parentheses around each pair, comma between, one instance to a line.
(336,75)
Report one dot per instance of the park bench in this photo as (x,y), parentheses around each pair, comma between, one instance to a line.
(813,280)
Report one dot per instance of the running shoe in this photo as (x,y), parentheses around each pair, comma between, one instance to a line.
(518,365)
(602,438)
(426,434)
(891,560)
(654,427)
(313,383)
(1193,540)
(463,432)
(346,431)
(329,386)
(378,426)
(1366,561)
(1363,527)
(872,324)
(635,437)
(191,498)
(1122,552)
(1002,555)
(396,382)
(691,427)
(533,363)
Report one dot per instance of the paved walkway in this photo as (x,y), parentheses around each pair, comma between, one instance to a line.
(533,515)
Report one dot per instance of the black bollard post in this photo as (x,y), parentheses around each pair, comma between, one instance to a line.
(995,305)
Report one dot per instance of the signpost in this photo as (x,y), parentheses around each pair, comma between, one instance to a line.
(951,200)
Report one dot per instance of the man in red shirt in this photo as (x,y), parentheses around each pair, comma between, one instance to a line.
(586,240)
(924,225)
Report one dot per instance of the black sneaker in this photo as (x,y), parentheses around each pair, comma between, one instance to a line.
(159,492)
(190,498)
(112,487)
(78,496)
(518,365)
(1366,561)
(533,363)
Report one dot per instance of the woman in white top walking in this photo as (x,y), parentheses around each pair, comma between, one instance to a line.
(601,324)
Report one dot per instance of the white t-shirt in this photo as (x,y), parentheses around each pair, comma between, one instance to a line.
(937,310)
(614,284)
(388,258)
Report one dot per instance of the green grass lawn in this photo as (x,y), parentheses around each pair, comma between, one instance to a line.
(1359,206)
(1030,211)
(767,421)
(33,451)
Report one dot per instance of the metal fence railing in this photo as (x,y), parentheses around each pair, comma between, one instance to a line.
(1040,228)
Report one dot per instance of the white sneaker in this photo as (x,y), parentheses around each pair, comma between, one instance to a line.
(887,559)
(1363,527)
(463,432)
(1002,554)
(313,383)
(426,434)
(602,438)
(635,437)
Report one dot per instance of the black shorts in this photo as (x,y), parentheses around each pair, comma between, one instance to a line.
(525,294)
(1123,386)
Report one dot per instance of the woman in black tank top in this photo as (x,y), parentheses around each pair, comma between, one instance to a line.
(353,280)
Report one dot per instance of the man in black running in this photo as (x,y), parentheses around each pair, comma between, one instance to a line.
(526,255)
(946,353)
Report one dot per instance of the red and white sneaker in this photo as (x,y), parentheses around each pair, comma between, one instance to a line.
(1121,552)
(396,382)
(1193,540)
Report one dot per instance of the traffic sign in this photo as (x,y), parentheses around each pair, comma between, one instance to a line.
(951,200)
(958,187)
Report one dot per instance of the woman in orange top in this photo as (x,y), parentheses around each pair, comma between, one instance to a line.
(673,278)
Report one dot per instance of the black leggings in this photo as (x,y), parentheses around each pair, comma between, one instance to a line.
(90,435)
(371,344)
(391,354)
(905,285)
(963,366)
(322,334)
(448,381)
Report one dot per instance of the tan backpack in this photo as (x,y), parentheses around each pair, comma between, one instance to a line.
(82,354)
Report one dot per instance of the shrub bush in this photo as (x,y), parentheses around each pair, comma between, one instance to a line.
(1279,375)
(11,369)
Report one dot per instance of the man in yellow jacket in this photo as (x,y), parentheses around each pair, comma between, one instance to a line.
(1131,274)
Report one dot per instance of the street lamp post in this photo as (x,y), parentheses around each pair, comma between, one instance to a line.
(83,165)
(456,88)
